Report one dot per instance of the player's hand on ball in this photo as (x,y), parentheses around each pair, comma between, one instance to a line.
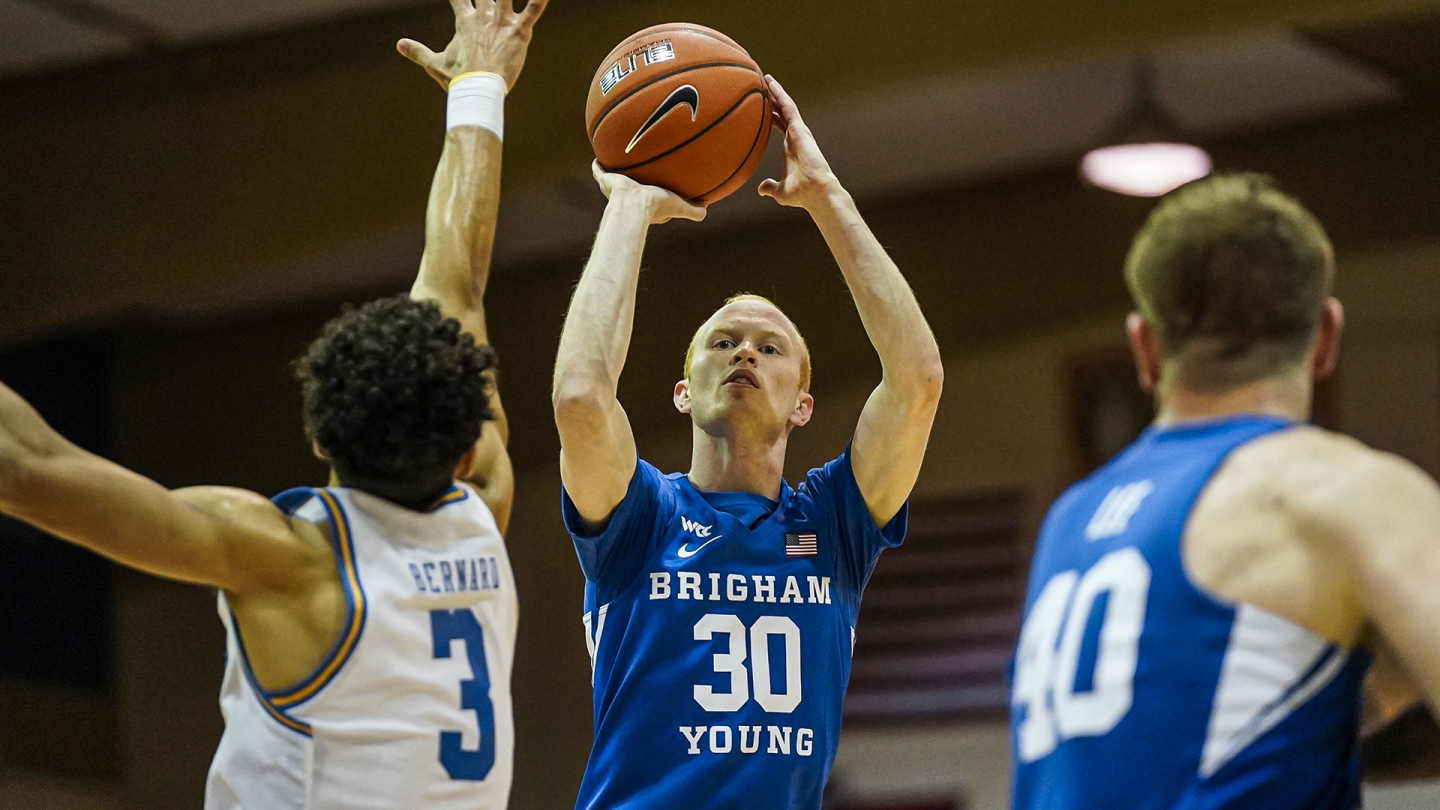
(490,36)
(661,204)
(807,178)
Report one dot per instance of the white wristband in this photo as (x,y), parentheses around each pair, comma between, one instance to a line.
(477,100)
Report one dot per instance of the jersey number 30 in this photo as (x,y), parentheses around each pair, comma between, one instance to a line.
(1047,662)
(732,662)
(460,625)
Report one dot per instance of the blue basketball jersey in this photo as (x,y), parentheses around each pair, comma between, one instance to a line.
(720,627)
(1133,688)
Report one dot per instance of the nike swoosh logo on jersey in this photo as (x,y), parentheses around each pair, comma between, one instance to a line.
(685,551)
(683,96)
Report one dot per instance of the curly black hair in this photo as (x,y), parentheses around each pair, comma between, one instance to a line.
(394,396)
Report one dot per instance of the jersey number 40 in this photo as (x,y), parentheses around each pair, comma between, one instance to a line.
(1047,662)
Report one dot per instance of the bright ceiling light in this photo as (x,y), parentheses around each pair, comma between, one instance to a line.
(1147,156)
(1145,169)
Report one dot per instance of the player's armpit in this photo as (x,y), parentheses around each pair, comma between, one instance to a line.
(492,474)
(1399,737)
(1405,749)
(1390,690)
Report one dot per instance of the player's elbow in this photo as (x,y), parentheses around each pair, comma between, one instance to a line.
(579,399)
(932,379)
(923,383)
(16,471)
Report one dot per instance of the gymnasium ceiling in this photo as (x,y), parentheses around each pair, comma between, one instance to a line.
(177,157)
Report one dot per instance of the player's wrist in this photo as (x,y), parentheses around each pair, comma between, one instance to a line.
(633,201)
(827,197)
(477,99)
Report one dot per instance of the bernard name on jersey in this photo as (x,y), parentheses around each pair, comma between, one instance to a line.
(452,576)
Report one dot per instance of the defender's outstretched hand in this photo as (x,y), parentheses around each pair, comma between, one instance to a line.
(489,36)
(807,175)
(663,205)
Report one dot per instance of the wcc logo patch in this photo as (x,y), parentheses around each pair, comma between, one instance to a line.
(700,531)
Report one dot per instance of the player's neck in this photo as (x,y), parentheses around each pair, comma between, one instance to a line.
(735,464)
(1286,396)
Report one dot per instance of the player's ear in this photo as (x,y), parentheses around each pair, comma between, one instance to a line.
(320,454)
(804,409)
(1326,352)
(682,396)
(1145,348)
(466,466)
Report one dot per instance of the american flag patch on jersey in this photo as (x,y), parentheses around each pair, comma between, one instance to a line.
(802,544)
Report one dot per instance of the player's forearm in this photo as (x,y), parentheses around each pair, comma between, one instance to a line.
(596,336)
(460,225)
(887,306)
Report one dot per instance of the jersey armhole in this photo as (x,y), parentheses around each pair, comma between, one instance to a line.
(1210,597)
(356,607)
(275,712)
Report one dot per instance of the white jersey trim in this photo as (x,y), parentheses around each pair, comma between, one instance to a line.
(592,635)
(1272,666)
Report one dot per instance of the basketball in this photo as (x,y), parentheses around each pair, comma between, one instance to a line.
(682,107)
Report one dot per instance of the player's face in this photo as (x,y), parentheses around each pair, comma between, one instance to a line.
(745,373)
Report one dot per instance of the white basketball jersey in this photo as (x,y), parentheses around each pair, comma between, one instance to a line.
(411,708)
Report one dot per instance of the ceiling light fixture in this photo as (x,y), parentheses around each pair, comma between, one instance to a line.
(1147,158)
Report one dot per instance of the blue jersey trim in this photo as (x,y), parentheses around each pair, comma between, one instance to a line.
(356,609)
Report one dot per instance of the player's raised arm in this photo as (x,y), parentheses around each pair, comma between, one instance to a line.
(480,64)
(597,456)
(227,538)
(895,425)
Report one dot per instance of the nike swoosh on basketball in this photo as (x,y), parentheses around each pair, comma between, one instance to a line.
(685,551)
(683,96)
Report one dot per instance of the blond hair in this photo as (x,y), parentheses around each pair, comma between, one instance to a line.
(804,347)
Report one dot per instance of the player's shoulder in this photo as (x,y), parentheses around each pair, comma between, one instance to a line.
(1322,474)
(1315,458)
(656,481)
(827,477)
(242,507)
(667,491)
(272,538)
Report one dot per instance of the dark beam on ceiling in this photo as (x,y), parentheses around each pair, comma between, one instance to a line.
(102,18)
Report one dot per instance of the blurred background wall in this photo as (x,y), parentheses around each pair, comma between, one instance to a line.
(189,192)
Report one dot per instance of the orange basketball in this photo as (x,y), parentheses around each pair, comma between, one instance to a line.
(680,106)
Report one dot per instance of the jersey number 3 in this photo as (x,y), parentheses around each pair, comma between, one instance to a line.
(1047,661)
(460,625)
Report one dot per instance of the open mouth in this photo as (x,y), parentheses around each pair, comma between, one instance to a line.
(743,378)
